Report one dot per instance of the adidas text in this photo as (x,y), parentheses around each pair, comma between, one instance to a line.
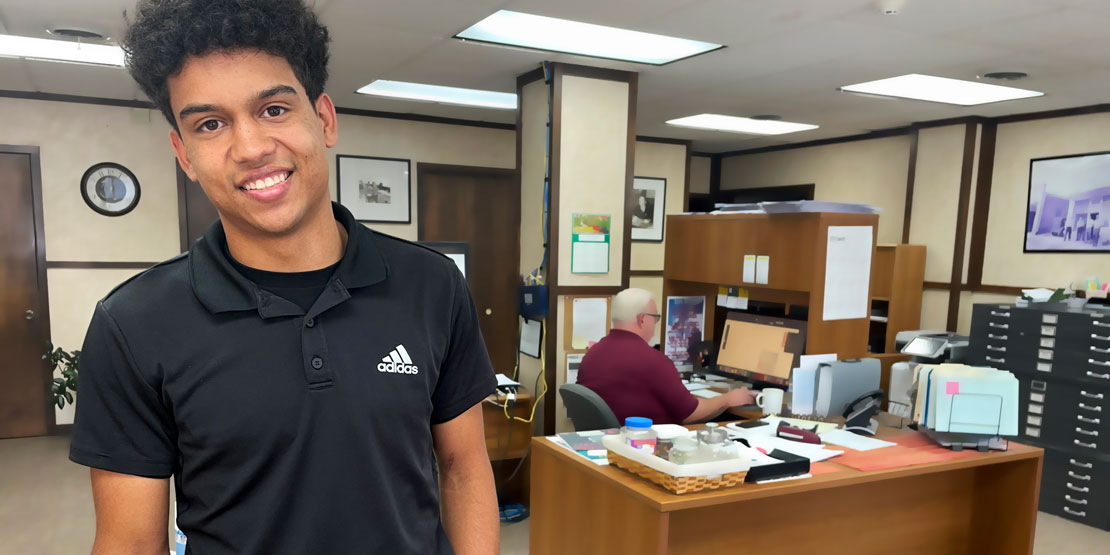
(398,368)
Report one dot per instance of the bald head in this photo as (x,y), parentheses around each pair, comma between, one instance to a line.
(634,310)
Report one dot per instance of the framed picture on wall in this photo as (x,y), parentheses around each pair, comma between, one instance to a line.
(375,189)
(650,195)
(1069,204)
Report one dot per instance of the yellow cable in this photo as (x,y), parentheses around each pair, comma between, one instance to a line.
(536,402)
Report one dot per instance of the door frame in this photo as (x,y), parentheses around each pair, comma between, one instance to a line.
(43,311)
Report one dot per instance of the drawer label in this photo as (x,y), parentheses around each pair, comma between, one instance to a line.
(1044,366)
(1032,432)
(1036,409)
(1050,318)
(1036,397)
(1034,420)
(1048,343)
(1045,354)
(1048,330)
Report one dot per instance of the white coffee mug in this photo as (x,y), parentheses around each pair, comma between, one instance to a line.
(770,400)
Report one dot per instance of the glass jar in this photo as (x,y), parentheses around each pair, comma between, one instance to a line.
(637,432)
(685,451)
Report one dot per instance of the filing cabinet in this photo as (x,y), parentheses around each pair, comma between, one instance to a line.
(1062,361)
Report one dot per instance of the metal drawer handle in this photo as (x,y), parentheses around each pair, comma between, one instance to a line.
(1087,445)
(1086,420)
(1103,351)
(1003,314)
(1075,513)
(1005,337)
(1098,362)
(1085,407)
(1097,336)
(1001,360)
(1101,324)
(1102,376)
(1079,464)
(1071,499)
(1086,432)
(1000,349)
(1098,396)
(1084,477)
(999,326)
(1080,490)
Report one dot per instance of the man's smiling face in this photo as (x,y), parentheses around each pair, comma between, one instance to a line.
(250,136)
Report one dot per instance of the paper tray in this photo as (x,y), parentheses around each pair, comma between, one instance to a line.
(677,478)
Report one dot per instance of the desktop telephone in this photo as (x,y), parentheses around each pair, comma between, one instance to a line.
(859,415)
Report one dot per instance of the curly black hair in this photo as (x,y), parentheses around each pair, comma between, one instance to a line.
(166,32)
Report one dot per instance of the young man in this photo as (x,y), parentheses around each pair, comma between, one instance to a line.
(636,380)
(300,376)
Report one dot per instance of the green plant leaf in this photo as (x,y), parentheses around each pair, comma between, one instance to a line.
(68,396)
(59,381)
(61,402)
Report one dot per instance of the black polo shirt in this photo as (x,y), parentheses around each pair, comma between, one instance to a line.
(286,431)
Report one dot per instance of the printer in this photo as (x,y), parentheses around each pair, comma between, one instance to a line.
(925,347)
(966,406)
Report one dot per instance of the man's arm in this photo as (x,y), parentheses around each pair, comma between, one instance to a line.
(132,514)
(711,408)
(467,492)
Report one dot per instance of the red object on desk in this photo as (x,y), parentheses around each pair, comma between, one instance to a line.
(911,450)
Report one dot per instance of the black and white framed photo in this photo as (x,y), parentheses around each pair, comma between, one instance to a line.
(375,189)
(650,195)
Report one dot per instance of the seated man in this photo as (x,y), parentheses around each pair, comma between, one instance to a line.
(637,380)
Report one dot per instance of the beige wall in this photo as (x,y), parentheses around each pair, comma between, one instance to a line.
(668,162)
(1017,144)
(871,172)
(936,192)
(592,168)
(699,174)
(417,141)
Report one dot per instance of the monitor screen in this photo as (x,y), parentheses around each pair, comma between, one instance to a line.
(928,347)
(761,348)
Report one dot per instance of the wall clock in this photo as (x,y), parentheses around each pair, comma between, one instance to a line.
(110,189)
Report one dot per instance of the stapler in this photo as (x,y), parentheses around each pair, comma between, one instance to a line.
(786,431)
(859,416)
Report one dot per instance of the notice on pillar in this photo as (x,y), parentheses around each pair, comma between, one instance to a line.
(848,273)
(589,245)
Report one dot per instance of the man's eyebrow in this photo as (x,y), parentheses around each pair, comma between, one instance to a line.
(200,108)
(274,91)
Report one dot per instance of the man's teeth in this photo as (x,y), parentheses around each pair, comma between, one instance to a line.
(266,183)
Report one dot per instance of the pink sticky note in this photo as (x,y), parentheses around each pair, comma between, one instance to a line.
(952,388)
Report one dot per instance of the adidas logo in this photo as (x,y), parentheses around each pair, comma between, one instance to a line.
(398,362)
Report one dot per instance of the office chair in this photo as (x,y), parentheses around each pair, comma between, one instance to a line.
(587,410)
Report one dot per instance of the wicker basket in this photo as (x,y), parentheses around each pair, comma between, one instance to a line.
(677,484)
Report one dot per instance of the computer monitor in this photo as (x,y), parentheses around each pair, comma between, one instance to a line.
(760,348)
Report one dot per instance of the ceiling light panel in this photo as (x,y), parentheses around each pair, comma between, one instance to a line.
(440,94)
(585,39)
(941,89)
(733,124)
(60,51)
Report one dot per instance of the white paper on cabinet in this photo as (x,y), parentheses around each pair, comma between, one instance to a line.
(848,272)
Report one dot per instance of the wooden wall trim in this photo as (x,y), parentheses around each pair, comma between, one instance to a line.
(877,134)
(28,95)
(425,119)
(89,265)
(629,176)
(663,140)
(911,176)
(595,73)
(551,357)
(966,172)
(1049,114)
(981,211)
(981,288)
(686,186)
(646,273)
(715,178)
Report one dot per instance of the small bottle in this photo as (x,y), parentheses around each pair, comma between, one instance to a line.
(685,451)
(638,433)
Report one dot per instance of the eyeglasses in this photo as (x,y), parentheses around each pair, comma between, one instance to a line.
(656,316)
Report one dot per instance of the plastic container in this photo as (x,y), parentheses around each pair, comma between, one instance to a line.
(685,451)
(637,433)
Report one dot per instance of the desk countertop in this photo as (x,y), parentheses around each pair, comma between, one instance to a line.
(664,501)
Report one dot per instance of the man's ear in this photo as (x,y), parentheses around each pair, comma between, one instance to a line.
(182,155)
(325,110)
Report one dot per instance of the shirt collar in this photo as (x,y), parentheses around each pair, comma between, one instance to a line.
(221,288)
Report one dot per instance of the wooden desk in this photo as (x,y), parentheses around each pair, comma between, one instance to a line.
(985,503)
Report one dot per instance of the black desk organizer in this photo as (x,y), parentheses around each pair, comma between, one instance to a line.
(1062,361)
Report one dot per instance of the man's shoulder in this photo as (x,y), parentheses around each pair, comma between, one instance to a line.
(164,281)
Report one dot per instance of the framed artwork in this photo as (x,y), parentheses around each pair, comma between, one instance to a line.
(650,195)
(375,189)
(1068,209)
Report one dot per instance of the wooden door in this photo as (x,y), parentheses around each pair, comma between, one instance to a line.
(480,206)
(194,210)
(24,382)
